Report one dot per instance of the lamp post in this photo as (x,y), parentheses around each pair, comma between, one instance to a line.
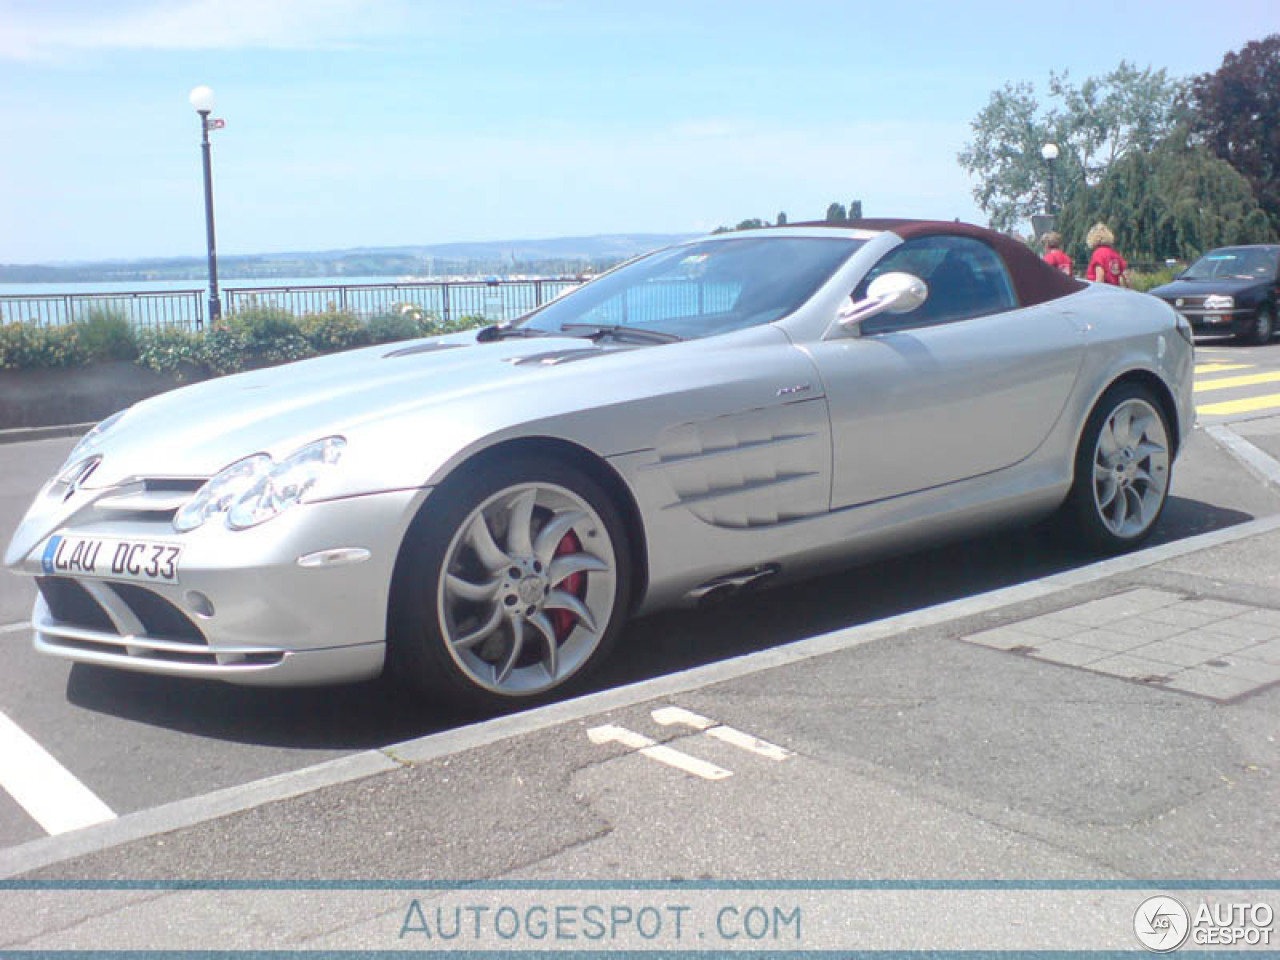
(1050,153)
(202,99)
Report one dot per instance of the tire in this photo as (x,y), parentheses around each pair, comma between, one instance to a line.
(1263,327)
(511,587)
(1123,469)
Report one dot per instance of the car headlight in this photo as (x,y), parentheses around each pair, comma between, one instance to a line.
(1219,301)
(1184,329)
(285,484)
(216,496)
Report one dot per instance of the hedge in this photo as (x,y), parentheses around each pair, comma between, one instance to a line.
(259,336)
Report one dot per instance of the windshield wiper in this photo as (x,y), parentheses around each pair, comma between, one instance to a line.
(504,331)
(594,331)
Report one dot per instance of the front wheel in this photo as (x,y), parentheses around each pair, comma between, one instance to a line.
(1263,327)
(1123,468)
(512,584)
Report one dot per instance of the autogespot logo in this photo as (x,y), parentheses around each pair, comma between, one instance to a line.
(1161,924)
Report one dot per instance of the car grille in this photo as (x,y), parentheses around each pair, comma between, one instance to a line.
(90,618)
(71,604)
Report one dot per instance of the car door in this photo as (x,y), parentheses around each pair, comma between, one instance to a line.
(966,384)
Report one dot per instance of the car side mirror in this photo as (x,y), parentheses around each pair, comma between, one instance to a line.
(888,293)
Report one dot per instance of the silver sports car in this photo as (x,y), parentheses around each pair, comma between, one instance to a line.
(481,512)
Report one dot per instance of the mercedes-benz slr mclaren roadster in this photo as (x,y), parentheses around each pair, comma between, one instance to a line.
(480,512)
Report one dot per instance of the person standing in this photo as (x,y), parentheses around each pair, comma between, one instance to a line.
(1105,264)
(1053,254)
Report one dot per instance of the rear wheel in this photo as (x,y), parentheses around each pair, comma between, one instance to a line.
(512,584)
(1123,468)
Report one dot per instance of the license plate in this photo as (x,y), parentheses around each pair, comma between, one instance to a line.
(110,558)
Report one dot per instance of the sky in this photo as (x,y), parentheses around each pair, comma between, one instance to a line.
(355,123)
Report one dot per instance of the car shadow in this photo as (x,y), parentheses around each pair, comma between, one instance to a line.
(377,713)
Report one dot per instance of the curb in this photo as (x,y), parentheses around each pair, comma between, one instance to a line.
(24,434)
(193,811)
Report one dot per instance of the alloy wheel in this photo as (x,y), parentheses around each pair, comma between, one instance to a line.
(527,588)
(1131,468)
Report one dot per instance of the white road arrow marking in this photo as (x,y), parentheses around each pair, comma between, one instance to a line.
(667,716)
(663,754)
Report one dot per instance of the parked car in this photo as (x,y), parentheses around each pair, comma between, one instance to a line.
(1231,290)
(481,512)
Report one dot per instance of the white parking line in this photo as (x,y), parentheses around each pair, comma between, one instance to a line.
(14,627)
(656,751)
(43,787)
(744,741)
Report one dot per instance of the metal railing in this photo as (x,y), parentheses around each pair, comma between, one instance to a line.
(143,308)
(494,300)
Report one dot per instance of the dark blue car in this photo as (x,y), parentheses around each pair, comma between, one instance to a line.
(1231,290)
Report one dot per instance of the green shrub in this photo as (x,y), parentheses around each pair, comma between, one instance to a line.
(256,337)
(173,351)
(333,330)
(454,324)
(107,335)
(404,322)
(1147,281)
(221,352)
(24,346)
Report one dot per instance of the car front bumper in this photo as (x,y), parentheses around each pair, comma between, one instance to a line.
(1238,320)
(243,609)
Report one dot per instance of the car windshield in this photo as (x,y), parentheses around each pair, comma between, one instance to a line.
(1243,263)
(699,289)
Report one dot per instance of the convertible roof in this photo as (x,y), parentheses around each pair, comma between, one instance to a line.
(1034,281)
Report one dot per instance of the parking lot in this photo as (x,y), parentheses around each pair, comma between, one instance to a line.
(131,742)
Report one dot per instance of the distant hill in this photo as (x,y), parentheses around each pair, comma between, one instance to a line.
(553,255)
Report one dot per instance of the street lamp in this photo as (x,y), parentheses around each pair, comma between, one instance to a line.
(1050,153)
(202,99)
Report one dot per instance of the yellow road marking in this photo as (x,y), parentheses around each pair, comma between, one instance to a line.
(1247,405)
(1214,367)
(1225,383)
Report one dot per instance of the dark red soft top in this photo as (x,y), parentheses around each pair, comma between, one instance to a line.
(1034,281)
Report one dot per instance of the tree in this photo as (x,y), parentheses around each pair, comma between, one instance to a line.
(836,213)
(1176,200)
(1238,114)
(782,218)
(1093,124)
(855,210)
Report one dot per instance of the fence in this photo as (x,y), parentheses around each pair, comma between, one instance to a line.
(495,300)
(149,308)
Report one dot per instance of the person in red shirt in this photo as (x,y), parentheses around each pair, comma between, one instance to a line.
(1053,254)
(1105,265)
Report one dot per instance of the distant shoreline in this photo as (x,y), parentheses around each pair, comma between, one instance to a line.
(560,256)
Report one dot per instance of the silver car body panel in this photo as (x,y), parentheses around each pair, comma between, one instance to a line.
(785,444)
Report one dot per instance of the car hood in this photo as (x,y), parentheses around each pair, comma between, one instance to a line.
(197,430)
(1203,288)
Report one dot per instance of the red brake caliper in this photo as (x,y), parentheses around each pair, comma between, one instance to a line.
(562,620)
